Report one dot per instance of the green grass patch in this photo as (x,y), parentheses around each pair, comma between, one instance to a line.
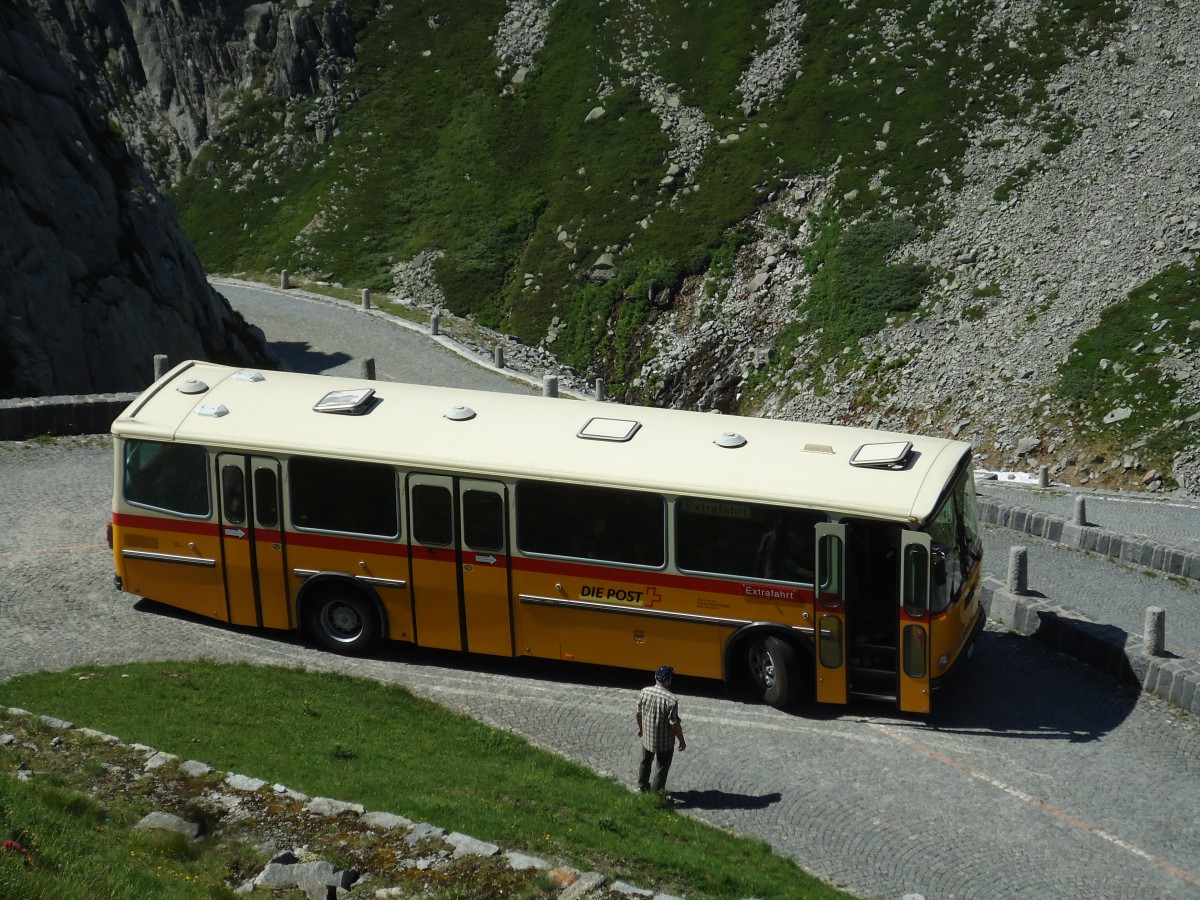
(375,744)
(1124,363)
(57,841)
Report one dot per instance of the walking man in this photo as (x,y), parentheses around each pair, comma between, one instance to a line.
(658,727)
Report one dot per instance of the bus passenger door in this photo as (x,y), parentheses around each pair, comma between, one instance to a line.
(435,563)
(252,541)
(829,610)
(483,509)
(266,490)
(914,621)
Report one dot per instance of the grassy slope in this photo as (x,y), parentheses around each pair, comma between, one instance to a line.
(376,744)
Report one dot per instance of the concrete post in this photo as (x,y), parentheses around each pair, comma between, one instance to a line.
(1080,511)
(368,368)
(1044,477)
(1155,631)
(161,365)
(499,356)
(366,299)
(600,395)
(1018,570)
(283,280)
(550,386)
(435,323)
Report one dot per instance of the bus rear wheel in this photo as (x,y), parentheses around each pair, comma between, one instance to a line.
(774,670)
(343,622)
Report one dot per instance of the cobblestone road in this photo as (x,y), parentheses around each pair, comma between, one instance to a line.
(1034,777)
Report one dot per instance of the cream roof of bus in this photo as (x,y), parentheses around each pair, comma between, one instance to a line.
(521,436)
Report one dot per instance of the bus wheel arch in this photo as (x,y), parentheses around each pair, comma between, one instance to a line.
(340,615)
(771,661)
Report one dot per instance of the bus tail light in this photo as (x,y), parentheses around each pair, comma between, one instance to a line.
(108,535)
(943,661)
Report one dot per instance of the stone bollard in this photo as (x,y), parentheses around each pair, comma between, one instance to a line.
(550,386)
(368,368)
(1080,511)
(1044,477)
(600,395)
(1018,570)
(284,283)
(1155,631)
(161,364)
(499,356)
(366,299)
(435,322)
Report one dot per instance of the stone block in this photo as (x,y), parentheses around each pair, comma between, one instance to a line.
(1174,562)
(1055,528)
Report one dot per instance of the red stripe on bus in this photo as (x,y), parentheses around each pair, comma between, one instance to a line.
(357,545)
(787,593)
(153,523)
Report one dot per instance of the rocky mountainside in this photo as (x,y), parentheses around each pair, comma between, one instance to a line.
(1024,274)
(95,275)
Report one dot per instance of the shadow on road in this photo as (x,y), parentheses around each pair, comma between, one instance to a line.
(1017,687)
(722,800)
(1012,686)
(299,356)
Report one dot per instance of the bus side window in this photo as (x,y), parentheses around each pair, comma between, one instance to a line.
(586,522)
(266,498)
(433,515)
(483,521)
(916,598)
(233,494)
(343,495)
(174,477)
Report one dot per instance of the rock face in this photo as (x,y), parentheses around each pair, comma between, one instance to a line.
(95,275)
(170,71)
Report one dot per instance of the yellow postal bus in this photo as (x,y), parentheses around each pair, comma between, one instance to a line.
(802,560)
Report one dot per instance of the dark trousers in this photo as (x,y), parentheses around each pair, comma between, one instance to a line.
(662,765)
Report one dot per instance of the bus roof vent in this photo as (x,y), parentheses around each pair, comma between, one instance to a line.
(212,410)
(892,455)
(598,429)
(460,414)
(192,386)
(730,440)
(248,375)
(350,403)
(818,448)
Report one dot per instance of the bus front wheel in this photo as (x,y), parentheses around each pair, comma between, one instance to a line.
(774,670)
(343,622)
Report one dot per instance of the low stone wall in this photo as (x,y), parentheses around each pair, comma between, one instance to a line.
(1136,550)
(23,418)
(1104,647)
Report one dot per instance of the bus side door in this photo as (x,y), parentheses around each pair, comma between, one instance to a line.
(914,621)
(483,512)
(829,611)
(460,564)
(437,612)
(252,546)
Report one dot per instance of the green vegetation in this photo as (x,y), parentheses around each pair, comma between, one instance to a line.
(59,842)
(522,189)
(1123,363)
(365,742)
(858,284)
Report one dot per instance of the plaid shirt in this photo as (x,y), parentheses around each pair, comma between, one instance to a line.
(660,711)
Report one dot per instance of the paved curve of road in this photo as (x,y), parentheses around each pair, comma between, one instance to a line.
(1035,776)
